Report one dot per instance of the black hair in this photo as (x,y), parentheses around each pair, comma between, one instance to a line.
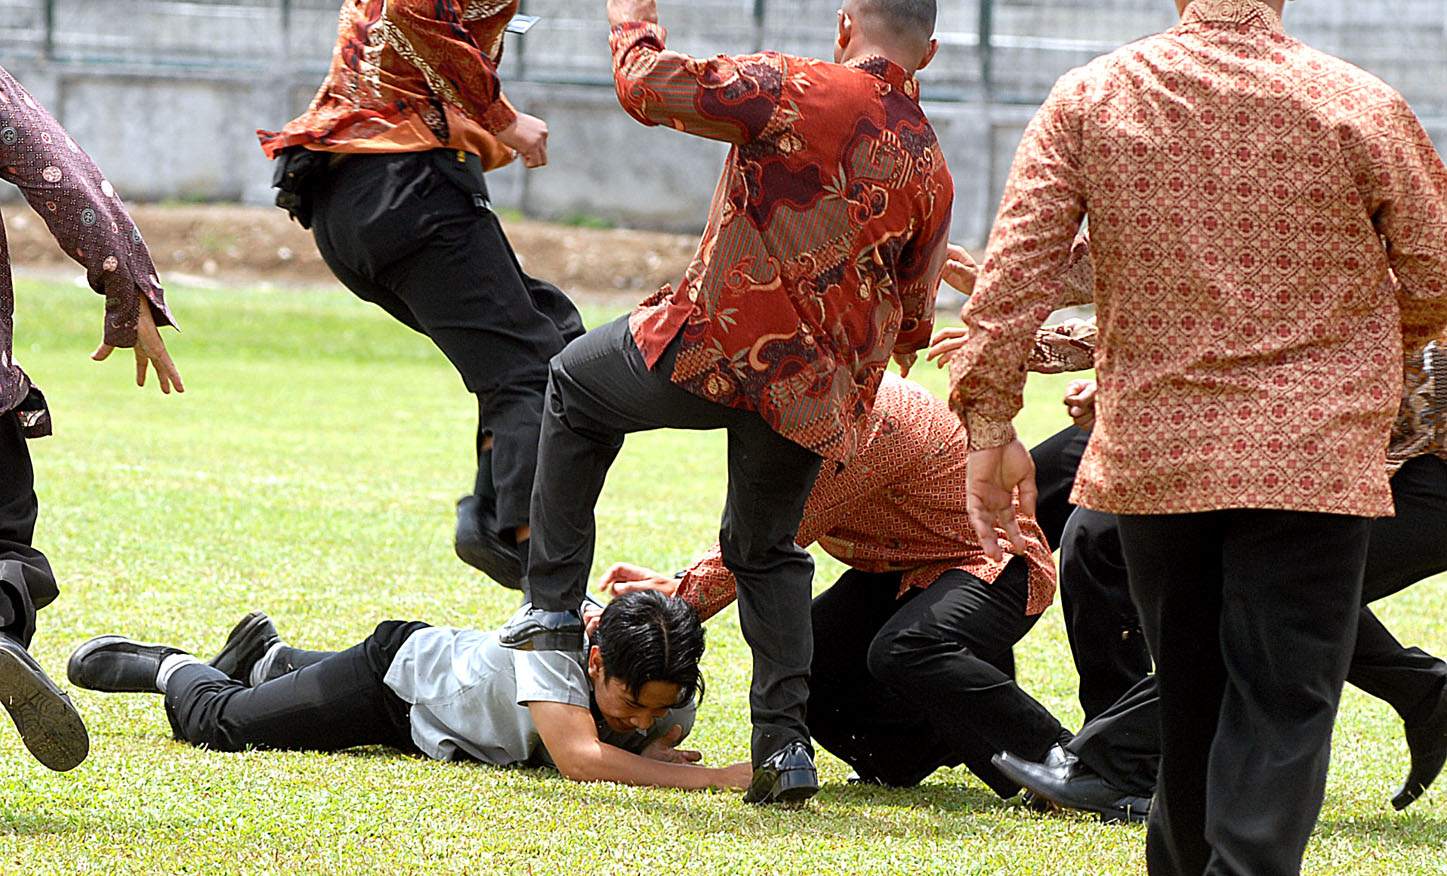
(907,18)
(645,636)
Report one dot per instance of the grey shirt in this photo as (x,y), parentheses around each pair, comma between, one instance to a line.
(469,696)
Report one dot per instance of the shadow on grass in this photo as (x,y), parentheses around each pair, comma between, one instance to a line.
(854,809)
(39,824)
(1416,828)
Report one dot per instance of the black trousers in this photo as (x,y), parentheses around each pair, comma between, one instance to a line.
(903,685)
(412,233)
(599,391)
(26,581)
(1122,743)
(1250,615)
(1101,620)
(332,701)
(1056,460)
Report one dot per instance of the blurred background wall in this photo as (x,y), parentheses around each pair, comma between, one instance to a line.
(167,94)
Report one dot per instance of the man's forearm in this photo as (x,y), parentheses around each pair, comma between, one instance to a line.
(609,763)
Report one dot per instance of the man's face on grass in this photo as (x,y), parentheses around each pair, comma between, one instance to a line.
(626,710)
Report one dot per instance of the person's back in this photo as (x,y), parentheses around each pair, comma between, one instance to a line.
(1233,175)
(1250,203)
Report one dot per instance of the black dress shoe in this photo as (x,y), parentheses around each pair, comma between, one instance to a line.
(116,664)
(786,777)
(1427,743)
(482,548)
(1073,786)
(48,723)
(533,629)
(247,643)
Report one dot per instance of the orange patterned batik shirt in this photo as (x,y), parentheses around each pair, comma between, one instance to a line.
(1250,200)
(824,243)
(408,75)
(898,507)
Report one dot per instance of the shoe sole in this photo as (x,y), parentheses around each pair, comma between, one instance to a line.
(1127,816)
(790,789)
(1107,816)
(49,725)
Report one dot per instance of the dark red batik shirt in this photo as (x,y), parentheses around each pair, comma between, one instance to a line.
(824,242)
(86,218)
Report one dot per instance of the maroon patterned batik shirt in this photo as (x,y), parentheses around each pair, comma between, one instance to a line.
(86,218)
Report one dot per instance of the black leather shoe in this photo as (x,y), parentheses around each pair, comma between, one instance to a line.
(48,723)
(1427,743)
(786,777)
(1056,759)
(116,664)
(247,643)
(1073,786)
(533,629)
(483,549)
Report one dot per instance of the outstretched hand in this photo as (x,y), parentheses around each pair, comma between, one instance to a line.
(960,270)
(945,344)
(992,478)
(625,578)
(1080,402)
(150,352)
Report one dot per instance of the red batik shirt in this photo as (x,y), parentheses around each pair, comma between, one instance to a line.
(1240,187)
(824,242)
(898,507)
(86,218)
(408,75)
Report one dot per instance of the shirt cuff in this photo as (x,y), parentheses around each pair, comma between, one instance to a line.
(499,116)
(624,36)
(986,433)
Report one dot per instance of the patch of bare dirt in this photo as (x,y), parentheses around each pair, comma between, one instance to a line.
(237,245)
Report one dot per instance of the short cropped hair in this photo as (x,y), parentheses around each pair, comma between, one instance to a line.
(645,636)
(907,18)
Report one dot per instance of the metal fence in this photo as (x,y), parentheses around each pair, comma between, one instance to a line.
(1004,51)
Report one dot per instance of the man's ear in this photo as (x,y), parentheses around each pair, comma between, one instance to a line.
(595,662)
(929,54)
(843,34)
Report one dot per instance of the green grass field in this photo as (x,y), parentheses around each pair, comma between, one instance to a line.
(310,470)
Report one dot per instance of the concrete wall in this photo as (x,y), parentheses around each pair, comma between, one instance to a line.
(167,95)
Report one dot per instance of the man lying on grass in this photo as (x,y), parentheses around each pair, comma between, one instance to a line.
(912,667)
(450,694)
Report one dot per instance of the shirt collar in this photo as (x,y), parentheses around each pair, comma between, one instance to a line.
(1252,13)
(883,68)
